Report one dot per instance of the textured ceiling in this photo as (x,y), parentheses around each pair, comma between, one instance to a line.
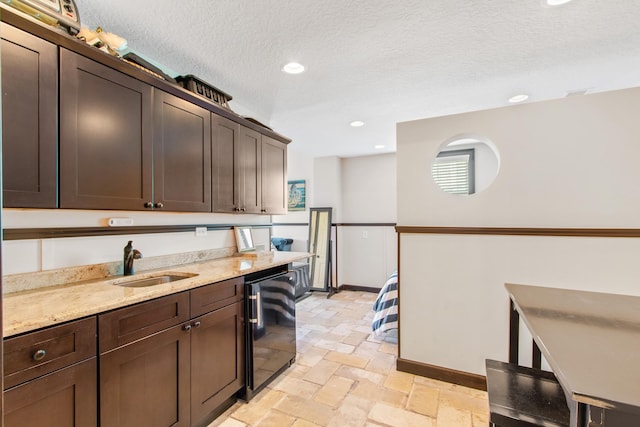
(378,61)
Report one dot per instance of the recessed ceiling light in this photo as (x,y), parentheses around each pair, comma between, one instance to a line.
(518,98)
(378,147)
(554,2)
(356,123)
(293,68)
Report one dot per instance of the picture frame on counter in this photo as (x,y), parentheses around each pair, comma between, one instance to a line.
(244,239)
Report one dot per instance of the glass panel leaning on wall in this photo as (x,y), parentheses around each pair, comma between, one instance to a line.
(465,165)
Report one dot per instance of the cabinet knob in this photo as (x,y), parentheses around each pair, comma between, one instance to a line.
(196,324)
(148,205)
(186,327)
(236,209)
(242,209)
(263,210)
(39,355)
(159,205)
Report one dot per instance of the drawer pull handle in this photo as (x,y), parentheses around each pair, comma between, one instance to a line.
(186,327)
(39,355)
(196,324)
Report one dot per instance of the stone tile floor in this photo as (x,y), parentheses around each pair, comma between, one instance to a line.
(344,376)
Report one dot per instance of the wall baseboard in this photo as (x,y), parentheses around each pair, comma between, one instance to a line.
(358,288)
(462,378)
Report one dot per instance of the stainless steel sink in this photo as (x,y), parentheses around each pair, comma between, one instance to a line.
(154,280)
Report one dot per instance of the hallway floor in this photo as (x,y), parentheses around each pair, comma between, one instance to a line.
(344,376)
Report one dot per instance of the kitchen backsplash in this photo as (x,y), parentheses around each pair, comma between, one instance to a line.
(29,281)
(36,263)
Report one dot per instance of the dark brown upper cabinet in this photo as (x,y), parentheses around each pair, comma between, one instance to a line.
(249,170)
(105,137)
(182,155)
(223,153)
(274,176)
(248,175)
(236,167)
(84,130)
(29,118)
(125,145)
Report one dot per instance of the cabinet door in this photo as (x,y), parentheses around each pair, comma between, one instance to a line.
(217,359)
(146,383)
(29,114)
(274,176)
(248,175)
(64,398)
(105,137)
(224,135)
(182,155)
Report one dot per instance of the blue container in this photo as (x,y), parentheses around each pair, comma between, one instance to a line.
(282,243)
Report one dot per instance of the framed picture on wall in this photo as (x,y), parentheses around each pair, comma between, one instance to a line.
(296,195)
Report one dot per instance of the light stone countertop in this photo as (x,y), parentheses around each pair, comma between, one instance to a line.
(34,309)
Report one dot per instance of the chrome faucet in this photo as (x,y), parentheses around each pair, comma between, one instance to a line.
(129,255)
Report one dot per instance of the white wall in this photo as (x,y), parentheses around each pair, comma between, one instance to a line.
(565,163)
(360,190)
(299,166)
(369,189)
(24,256)
(327,179)
(368,254)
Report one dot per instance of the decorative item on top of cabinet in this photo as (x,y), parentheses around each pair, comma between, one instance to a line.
(29,105)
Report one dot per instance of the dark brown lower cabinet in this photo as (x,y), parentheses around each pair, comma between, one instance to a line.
(63,398)
(217,359)
(146,383)
(182,375)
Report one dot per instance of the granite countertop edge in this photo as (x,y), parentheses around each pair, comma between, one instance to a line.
(35,309)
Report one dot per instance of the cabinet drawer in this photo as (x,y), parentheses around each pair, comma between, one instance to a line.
(132,323)
(38,353)
(216,295)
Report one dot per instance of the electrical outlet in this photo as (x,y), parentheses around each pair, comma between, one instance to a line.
(365,234)
(201,231)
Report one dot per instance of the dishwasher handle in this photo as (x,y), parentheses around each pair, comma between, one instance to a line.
(256,308)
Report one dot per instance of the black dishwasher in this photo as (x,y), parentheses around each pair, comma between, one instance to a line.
(270,314)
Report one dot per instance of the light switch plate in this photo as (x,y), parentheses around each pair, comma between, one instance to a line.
(201,231)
